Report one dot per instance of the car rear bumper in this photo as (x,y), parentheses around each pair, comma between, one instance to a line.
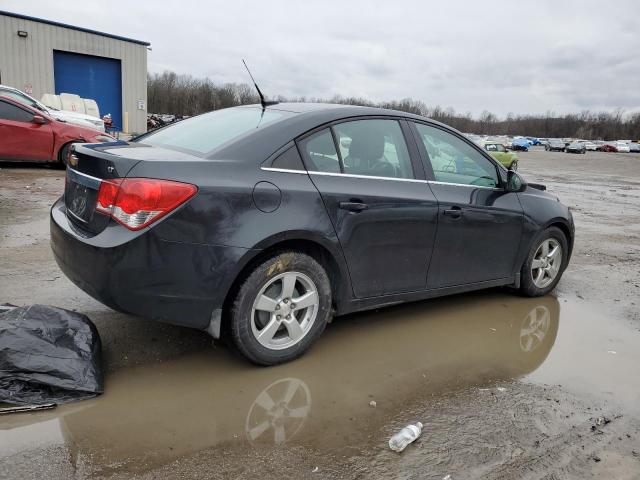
(144,275)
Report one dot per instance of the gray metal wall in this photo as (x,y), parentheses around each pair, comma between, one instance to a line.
(29,61)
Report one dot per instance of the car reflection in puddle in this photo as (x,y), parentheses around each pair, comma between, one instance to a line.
(534,329)
(153,414)
(279,411)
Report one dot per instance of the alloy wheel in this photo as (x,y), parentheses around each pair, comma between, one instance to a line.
(284,310)
(546,263)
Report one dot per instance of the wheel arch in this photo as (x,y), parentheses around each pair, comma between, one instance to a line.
(565,228)
(322,250)
(558,222)
(61,148)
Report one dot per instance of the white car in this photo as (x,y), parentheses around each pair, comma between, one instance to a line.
(62,115)
(623,147)
(590,146)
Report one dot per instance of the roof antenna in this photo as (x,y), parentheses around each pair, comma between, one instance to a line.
(263,102)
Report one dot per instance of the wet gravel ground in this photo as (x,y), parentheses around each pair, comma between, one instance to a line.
(506,387)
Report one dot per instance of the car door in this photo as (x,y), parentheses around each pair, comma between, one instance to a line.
(22,139)
(479,222)
(378,200)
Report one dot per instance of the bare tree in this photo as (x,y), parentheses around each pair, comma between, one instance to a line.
(176,94)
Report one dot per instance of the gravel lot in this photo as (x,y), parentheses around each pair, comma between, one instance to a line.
(506,387)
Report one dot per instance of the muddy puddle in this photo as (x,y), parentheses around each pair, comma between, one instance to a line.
(481,344)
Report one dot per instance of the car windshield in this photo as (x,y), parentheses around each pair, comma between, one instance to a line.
(205,133)
(24,99)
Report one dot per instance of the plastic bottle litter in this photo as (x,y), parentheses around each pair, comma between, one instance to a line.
(404,437)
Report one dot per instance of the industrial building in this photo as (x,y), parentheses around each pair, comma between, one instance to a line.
(41,57)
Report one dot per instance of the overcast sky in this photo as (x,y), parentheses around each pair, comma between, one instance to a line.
(501,56)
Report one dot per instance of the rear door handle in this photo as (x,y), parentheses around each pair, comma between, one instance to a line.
(353,206)
(454,212)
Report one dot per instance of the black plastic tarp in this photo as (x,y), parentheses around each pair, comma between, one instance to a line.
(48,355)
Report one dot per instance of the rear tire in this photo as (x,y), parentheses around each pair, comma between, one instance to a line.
(543,268)
(281,309)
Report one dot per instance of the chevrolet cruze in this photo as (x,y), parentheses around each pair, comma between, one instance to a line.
(260,224)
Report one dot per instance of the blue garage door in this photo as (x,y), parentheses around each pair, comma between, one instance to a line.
(91,77)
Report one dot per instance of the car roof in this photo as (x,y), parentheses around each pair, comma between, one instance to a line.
(305,117)
(337,110)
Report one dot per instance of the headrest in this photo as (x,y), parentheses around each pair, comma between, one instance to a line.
(366,147)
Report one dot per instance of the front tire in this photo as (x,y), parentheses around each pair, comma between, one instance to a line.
(545,263)
(62,156)
(281,309)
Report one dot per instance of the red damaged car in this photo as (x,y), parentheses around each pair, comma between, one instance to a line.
(30,135)
(608,147)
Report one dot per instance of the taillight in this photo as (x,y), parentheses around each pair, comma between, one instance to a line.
(138,202)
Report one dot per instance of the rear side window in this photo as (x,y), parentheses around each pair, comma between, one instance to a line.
(374,148)
(288,160)
(11,112)
(455,161)
(320,152)
(204,133)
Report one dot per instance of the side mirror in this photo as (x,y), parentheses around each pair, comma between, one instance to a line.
(39,120)
(515,183)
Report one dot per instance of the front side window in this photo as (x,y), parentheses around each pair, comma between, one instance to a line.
(11,112)
(455,161)
(374,148)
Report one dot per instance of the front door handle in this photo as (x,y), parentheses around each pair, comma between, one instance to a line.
(353,206)
(454,212)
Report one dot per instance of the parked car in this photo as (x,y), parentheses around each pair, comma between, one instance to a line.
(258,223)
(534,140)
(589,146)
(498,151)
(70,117)
(575,147)
(609,147)
(521,144)
(32,135)
(555,145)
(634,147)
(623,147)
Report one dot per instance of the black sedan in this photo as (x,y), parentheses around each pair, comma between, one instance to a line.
(261,223)
(555,145)
(576,147)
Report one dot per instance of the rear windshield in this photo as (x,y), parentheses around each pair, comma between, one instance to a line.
(205,133)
